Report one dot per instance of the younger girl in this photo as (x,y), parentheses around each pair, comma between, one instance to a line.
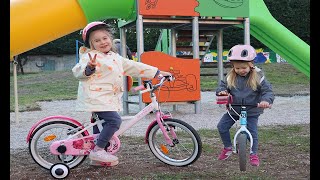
(100,72)
(247,84)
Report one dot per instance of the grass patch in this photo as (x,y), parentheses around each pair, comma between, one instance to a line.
(285,136)
(44,86)
(284,153)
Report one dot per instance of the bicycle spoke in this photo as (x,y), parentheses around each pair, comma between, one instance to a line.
(186,146)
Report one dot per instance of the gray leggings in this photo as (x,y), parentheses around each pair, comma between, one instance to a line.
(110,126)
(225,124)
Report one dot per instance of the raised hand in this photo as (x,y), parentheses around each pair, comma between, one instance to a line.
(92,63)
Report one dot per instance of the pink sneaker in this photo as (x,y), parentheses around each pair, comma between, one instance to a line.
(225,153)
(254,160)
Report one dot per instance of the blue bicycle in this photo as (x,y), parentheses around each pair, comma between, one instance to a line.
(242,135)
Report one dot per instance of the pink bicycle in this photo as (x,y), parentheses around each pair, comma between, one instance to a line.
(60,143)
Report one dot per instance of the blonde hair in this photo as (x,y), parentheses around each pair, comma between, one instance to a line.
(253,81)
(113,48)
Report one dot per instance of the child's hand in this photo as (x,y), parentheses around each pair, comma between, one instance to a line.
(223,93)
(264,104)
(92,63)
(164,73)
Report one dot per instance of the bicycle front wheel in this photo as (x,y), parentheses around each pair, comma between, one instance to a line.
(44,136)
(242,145)
(186,148)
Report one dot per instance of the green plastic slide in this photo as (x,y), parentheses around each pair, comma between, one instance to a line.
(265,28)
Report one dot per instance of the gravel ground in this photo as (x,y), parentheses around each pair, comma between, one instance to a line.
(285,110)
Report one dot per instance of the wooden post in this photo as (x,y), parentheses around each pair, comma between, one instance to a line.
(15,84)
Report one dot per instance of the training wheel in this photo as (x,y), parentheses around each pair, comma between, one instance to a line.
(59,170)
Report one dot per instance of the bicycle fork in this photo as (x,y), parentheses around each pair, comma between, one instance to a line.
(243,128)
(240,130)
(164,131)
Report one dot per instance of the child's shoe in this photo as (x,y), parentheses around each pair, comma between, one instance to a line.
(103,158)
(254,160)
(225,153)
(104,164)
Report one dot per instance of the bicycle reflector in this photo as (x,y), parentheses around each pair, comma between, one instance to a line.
(164,149)
(50,137)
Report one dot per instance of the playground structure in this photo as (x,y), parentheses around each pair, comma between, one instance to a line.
(45,21)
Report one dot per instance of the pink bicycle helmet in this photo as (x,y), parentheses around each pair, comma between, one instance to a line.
(242,53)
(88,29)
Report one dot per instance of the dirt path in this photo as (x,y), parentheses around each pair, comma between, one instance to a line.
(137,161)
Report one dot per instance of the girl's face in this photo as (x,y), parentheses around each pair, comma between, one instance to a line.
(100,40)
(242,68)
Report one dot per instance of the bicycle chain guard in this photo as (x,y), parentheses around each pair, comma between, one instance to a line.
(113,145)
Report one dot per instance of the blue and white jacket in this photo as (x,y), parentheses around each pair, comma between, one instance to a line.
(243,92)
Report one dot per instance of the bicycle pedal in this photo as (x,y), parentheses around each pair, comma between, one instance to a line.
(104,164)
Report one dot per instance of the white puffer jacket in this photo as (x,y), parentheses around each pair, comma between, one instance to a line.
(103,90)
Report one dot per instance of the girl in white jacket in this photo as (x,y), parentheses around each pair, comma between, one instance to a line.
(100,72)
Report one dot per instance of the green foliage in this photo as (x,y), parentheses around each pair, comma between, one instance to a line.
(63,45)
(293,14)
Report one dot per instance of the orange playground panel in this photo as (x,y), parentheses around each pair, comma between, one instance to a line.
(185,87)
(168,7)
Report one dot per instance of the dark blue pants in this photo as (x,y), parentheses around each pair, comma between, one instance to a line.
(110,126)
(226,123)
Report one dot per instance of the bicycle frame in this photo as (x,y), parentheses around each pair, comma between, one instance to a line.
(227,99)
(134,119)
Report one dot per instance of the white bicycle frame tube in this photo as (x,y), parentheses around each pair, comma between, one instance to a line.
(134,119)
(84,129)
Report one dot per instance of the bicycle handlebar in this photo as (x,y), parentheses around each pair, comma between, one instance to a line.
(227,99)
(148,86)
(253,105)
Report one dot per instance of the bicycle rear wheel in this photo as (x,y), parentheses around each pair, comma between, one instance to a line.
(44,136)
(242,151)
(187,144)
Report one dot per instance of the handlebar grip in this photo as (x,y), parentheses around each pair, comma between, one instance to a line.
(224,99)
(137,88)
